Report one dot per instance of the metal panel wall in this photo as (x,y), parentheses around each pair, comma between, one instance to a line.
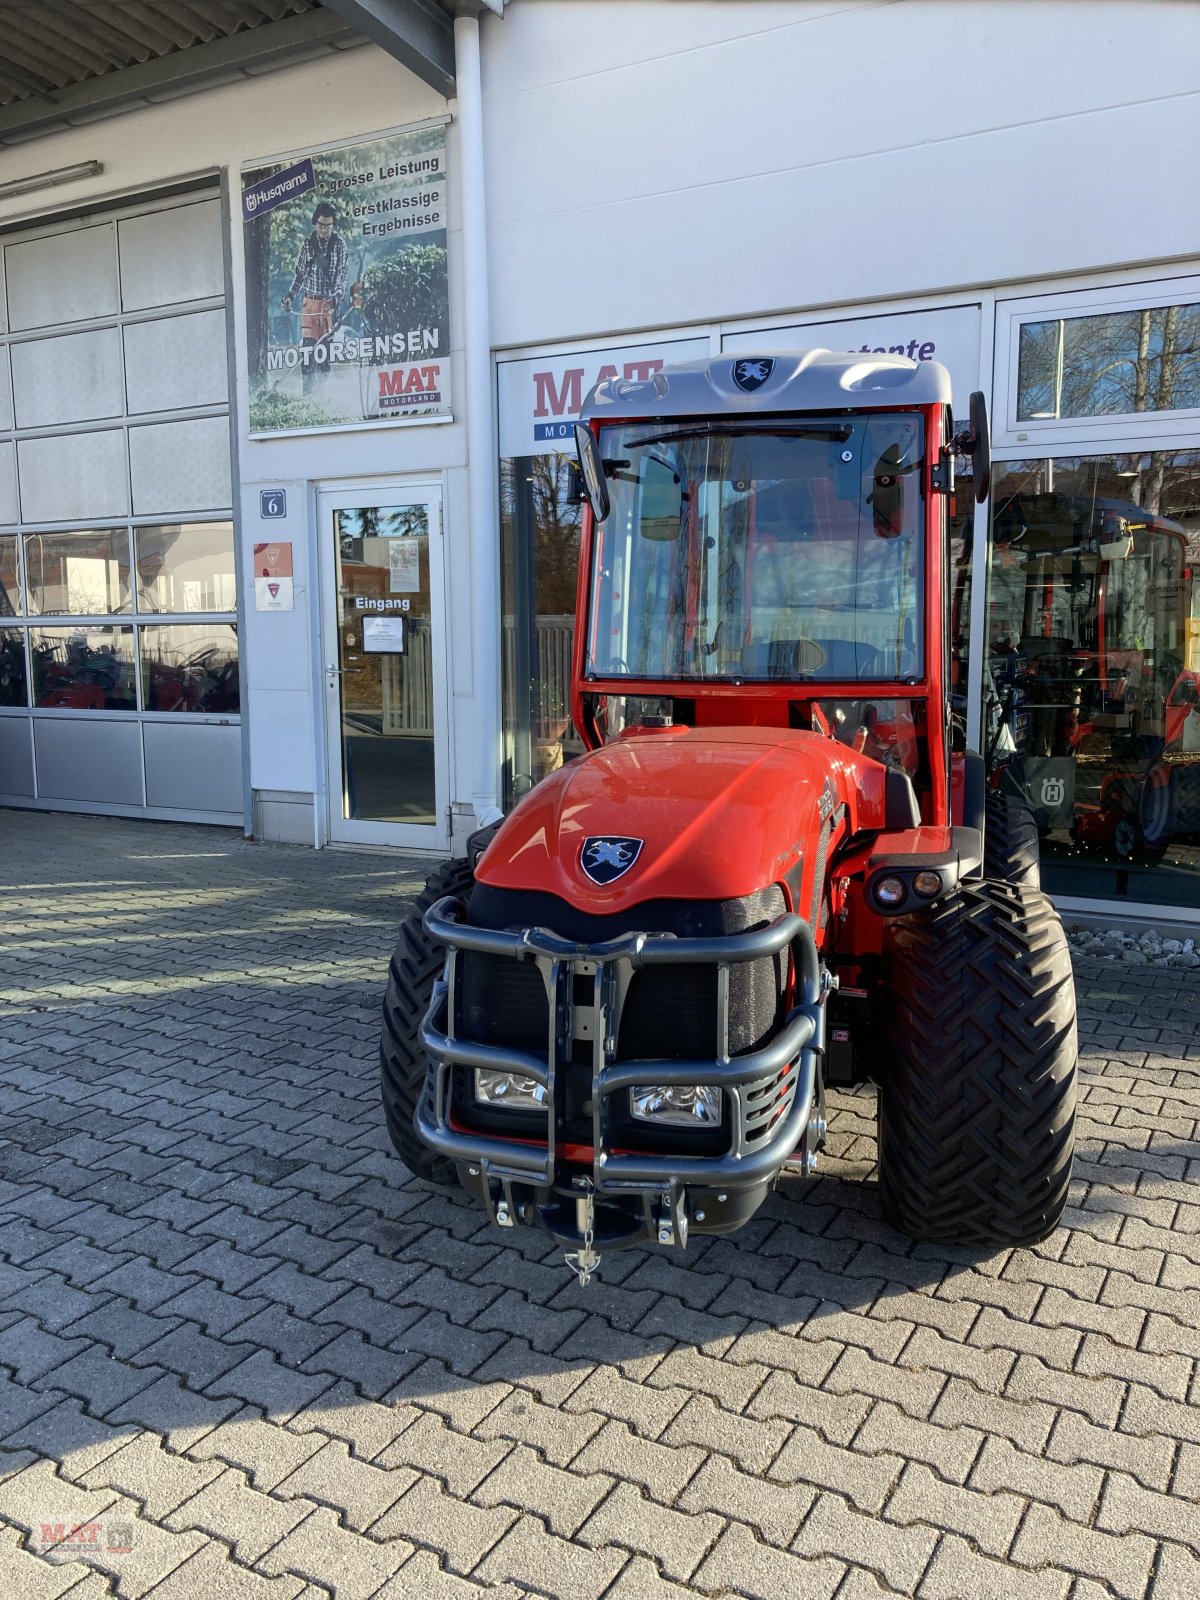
(16,757)
(98,761)
(193,768)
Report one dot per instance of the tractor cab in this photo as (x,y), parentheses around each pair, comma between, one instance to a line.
(771,553)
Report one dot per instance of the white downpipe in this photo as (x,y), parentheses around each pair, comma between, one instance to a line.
(482,492)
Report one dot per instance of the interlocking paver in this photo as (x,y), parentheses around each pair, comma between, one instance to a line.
(958,1570)
(774,1511)
(525,1420)
(149,1474)
(678,1542)
(268,1453)
(838,1416)
(320,1549)
(661,1469)
(227,1507)
(834,1528)
(989,1520)
(741,1565)
(428,1445)
(647,1411)
(807,1458)
(1128,1508)
(562,1499)
(461,1533)
(211,1575)
(357,1491)
(529,1554)
(231,1322)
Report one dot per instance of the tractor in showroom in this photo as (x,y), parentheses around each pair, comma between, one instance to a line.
(774,870)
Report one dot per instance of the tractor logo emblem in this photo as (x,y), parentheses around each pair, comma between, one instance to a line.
(751,375)
(1053,791)
(606,859)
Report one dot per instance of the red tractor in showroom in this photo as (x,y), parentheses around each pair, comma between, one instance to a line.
(775,870)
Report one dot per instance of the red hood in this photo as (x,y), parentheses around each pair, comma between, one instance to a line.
(721,812)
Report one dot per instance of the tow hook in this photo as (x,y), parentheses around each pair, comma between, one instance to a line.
(672,1219)
(584,1261)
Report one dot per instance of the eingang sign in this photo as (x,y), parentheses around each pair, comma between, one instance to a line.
(347,302)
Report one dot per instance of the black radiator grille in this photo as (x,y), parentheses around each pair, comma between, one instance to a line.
(502,1002)
(671,1012)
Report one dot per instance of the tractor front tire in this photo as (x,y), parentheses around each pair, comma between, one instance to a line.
(1011,847)
(415,967)
(977,1106)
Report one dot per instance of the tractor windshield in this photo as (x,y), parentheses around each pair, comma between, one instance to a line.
(782,549)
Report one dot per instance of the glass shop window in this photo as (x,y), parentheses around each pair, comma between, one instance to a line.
(78,574)
(1115,363)
(86,668)
(539,530)
(10,580)
(13,691)
(1093,652)
(190,667)
(186,567)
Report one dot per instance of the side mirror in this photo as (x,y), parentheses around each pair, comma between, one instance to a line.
(980,446)
(593,472)
(974,441)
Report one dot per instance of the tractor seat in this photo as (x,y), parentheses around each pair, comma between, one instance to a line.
(789,658)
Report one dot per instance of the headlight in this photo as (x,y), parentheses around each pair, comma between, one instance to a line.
(891,892)
(928,883)
(494,1088)
(687,1105)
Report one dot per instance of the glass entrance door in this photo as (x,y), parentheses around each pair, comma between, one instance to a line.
(385,666)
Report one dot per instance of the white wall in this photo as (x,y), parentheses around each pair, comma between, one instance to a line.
(655,163)
(336,97)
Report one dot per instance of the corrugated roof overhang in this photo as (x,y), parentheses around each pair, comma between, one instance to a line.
(68,62)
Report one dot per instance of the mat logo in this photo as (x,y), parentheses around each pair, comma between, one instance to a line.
(1053,792)
(115,1537)
(409,386)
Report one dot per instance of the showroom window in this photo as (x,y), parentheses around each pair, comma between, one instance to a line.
(539,532)
(1093,610)
(118,593)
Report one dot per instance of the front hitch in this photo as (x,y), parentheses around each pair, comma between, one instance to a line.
(628,1196)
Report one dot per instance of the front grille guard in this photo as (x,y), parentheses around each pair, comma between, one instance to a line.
(611,966)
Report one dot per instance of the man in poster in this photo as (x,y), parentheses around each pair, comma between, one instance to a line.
(347,292)
(320,279)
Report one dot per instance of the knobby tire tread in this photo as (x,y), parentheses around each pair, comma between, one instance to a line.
(416,965)
(1012,851)
(977,1108)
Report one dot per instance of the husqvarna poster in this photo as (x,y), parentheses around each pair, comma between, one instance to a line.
(347,306)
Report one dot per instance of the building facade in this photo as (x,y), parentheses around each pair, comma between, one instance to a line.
(291,595)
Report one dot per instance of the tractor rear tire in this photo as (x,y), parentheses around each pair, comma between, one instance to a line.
(1011,847)
(415,967)
(977,1107)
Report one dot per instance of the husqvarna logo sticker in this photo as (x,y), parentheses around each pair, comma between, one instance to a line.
(1053,791)
(751,375)
(604,859)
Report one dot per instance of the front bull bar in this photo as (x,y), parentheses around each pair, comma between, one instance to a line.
(749,1160)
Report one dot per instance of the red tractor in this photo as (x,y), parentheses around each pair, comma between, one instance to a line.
(772,872)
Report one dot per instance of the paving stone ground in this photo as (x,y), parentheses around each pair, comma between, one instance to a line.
(243,1354)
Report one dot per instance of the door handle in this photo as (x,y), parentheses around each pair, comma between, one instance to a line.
(333,672)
